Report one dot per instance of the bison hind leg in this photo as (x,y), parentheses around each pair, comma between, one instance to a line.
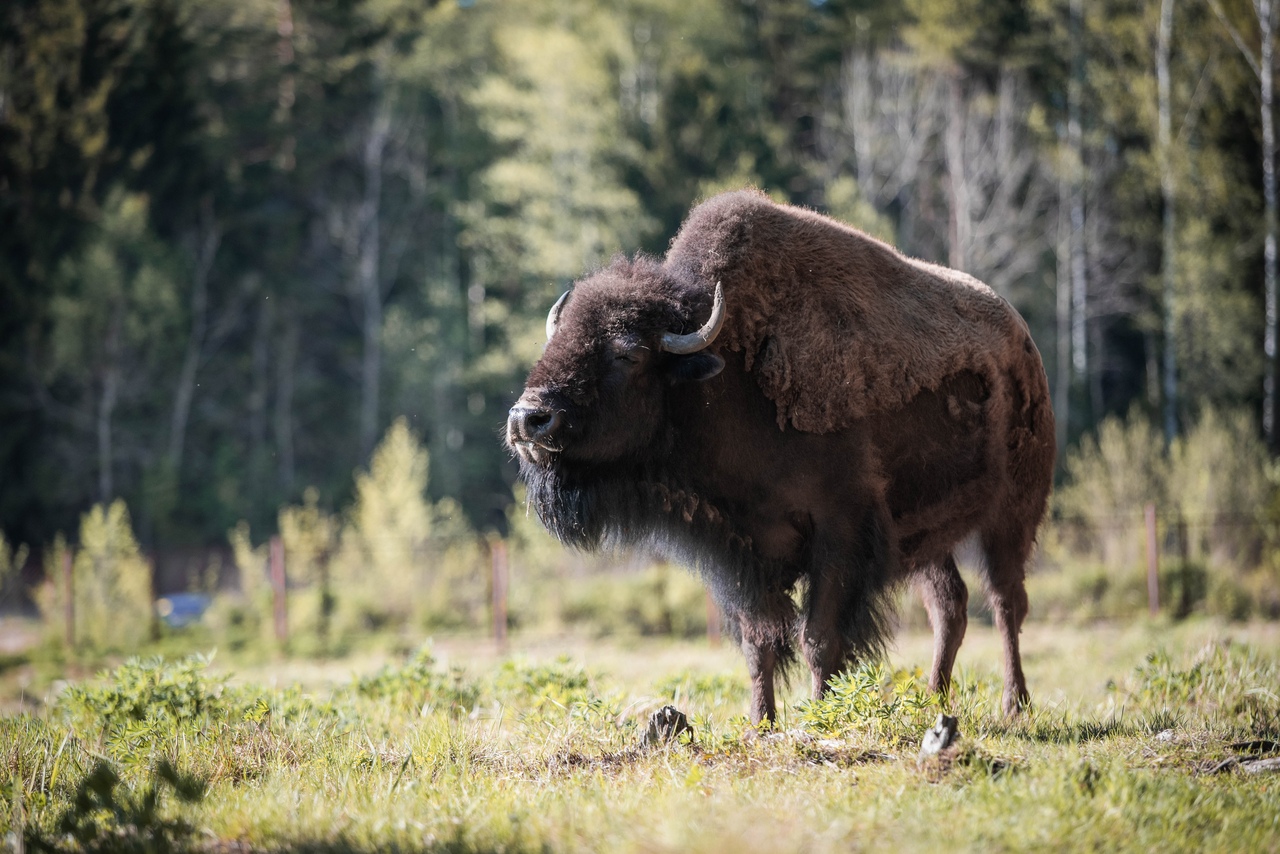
(1007,555)
(946,599)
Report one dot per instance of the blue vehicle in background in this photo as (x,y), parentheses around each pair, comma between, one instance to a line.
(182,609)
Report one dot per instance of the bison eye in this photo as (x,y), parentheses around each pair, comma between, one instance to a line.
(630,355)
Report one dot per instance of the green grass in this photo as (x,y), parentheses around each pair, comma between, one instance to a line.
(456,748)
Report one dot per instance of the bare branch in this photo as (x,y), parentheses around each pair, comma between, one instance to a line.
(1237,38)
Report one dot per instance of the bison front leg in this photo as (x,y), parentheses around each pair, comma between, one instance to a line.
(762,653)
(820,638)
(849,574)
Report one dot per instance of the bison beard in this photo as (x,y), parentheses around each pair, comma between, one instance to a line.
(617,506)
(839,421)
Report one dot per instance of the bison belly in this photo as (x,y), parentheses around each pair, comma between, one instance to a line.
(943,463)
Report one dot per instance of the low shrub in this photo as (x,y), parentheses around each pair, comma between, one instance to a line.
(419,685)
(873,701)
(110,585)
(658,600)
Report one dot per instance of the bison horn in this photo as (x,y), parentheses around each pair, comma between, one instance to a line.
(553,316)
(695,341)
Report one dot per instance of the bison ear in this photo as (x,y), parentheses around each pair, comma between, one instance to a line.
(695,367)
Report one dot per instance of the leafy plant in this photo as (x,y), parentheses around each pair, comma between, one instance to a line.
(419,685)
(715,688)
(111,584)
(541,687)
(175,693)
(872,700)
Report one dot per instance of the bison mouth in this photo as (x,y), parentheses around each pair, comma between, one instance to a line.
(533,453)
(534,431)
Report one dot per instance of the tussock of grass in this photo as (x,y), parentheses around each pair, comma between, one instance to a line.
(545,755)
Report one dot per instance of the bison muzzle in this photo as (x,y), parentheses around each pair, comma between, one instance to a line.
(783,402)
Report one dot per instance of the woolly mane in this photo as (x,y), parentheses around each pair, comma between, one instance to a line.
(835,324)
(595,508)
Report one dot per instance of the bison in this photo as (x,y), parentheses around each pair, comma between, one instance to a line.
(786,403)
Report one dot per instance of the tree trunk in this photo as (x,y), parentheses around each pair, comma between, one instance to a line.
(1076,237)
(1266,25)
(107,405)
(194,354)
(368,280)
(1062,314)
(1168,261)
(286,361)
(259,387)
(953,144)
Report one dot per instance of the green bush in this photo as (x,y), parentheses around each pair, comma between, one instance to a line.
(393,561)
(1110,477)
(1213,490)
(702,690)
(111,584)
(420,686)
(176,693)
(1224,680)
(873,701)
(380,567)
(550,688)
(659,600)
(1218,482)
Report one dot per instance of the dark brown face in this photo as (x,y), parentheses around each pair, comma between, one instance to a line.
(598,393)
(608,405)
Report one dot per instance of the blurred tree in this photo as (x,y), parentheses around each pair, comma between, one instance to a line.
(112,303)
(1262,63)
(73,125)
(239,238)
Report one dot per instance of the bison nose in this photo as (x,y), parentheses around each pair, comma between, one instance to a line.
(533,424)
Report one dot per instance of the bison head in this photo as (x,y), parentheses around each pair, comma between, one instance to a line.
(615,344)
(598,399)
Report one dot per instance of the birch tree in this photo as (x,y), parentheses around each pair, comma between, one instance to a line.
(1168,254)
(1262,63)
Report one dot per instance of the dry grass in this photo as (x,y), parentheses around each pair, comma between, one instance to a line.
(1124,749)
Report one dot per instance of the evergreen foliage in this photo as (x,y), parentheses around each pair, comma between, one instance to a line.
(238,241)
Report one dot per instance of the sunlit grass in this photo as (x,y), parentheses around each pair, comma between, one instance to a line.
(455,748)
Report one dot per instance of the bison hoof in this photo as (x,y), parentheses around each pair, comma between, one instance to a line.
(1016,704)
(942,736)
(665,726)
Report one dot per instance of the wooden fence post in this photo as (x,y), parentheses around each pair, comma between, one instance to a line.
(68,583)
(278,585)
(1153,561)
(498,554)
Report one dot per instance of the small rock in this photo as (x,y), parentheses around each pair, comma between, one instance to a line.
(665,725)
(940,737)
(1164,735)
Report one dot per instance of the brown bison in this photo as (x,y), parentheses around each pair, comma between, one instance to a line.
(784,401)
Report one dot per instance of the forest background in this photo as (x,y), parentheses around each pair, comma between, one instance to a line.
(241,239)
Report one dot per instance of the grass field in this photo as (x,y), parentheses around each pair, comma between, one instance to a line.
(461,749)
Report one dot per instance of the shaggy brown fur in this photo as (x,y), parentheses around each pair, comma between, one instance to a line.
(859,415)
(836,324)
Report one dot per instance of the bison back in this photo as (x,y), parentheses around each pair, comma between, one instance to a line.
(835,324)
